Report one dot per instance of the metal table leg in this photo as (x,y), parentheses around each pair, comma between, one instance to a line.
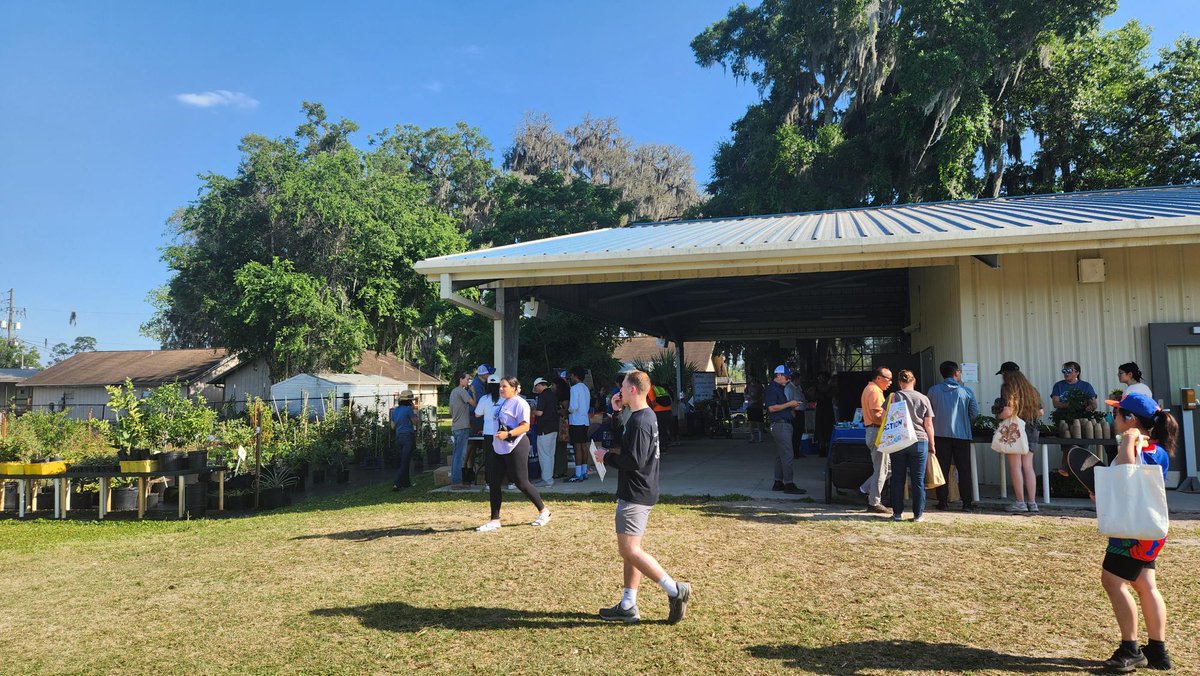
(182,494)
(1046,473)
(22,490)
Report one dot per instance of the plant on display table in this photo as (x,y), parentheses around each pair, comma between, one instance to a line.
(275,481)
(1075,421)
(984,425)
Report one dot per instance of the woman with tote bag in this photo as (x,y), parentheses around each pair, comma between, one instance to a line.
(1019,398)
(911,461)
(1130,563)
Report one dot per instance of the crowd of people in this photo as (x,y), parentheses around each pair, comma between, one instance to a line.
(492,408)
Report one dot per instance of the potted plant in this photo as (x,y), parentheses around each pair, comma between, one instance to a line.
(274,482)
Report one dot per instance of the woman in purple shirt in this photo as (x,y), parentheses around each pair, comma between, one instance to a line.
(509,454)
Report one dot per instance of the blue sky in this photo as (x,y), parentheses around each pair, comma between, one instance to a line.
(102,142)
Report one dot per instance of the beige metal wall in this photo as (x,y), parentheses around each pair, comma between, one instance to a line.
(934,312)
(1034,311)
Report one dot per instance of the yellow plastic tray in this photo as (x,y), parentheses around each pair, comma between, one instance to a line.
(139,465)
(44,468)
(12,468)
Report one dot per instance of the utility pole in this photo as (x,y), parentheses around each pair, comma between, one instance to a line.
(11,324)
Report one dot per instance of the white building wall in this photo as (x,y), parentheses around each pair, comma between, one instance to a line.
(251,380)
(1034,311)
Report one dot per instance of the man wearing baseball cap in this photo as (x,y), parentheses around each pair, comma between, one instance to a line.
(545,417)
(780,409)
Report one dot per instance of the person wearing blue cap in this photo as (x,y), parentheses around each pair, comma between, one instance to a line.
(1148,436)
(780,409)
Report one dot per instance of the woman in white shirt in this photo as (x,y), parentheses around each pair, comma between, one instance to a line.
(1131,377)
(509,454)
(486,409)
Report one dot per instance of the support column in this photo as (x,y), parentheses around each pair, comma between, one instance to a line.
(512,332)
(506,331)
(498,332)
(679,362)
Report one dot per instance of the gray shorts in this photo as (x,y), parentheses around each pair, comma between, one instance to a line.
(632,518)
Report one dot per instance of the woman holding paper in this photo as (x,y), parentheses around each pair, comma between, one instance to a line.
(509,455)
(1019,397)
(1149,432)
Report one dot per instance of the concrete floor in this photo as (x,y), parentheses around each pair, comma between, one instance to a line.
(717,467)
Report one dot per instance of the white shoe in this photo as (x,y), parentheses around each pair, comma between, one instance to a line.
(542,520)
(1016,507)
(488,527)
(1032,506)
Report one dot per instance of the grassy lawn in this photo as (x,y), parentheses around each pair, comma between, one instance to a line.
(373,581)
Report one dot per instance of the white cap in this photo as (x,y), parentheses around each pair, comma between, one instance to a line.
(493,378)
(540,381)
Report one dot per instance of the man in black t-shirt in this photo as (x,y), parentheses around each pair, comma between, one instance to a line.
(545,418)
(637,492)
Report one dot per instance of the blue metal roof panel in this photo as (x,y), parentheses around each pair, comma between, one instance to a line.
(877,225)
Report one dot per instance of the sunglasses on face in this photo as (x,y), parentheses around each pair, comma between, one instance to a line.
(1066,371)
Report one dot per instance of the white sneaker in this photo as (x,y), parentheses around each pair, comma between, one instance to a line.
(1032,506)
(1016,507)
(542,520)
(488,527)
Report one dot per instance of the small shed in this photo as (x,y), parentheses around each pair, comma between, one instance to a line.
(327,392)
(10,387)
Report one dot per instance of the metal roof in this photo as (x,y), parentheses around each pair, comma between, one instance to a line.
(143,367)
(944,229)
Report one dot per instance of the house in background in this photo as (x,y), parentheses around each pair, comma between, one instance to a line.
(645,349)
(325,393)
(11,390)
(252,379)
(77,384)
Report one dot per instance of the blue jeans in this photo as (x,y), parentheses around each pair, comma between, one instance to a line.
(909,462)
(405,441)
(460,453)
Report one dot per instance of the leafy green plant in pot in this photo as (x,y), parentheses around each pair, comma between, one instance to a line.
(275,481)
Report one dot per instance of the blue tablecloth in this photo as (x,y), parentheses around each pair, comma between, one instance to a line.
(848,435)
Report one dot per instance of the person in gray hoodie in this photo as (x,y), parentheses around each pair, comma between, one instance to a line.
(954,409)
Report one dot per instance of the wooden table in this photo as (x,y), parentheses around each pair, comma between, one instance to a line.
(62,492)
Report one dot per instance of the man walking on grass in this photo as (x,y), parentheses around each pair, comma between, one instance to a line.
(637,492)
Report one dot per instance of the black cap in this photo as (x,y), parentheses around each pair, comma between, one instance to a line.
(1008,366)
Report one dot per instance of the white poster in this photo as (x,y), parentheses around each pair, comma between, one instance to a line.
(704,385)
(970,372)
(600,468)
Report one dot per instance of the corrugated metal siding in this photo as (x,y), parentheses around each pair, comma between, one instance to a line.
(1034,311)
(934,222)
(251,380)
(934,305)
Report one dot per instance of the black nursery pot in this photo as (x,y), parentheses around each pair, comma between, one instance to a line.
(343,476)
(318,476)
(172,461)
(271,498)
(124,499)
(197,460)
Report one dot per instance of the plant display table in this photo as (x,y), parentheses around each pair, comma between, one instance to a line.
(1045,442)
(62,493)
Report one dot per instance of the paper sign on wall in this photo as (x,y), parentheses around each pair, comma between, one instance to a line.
(970,372)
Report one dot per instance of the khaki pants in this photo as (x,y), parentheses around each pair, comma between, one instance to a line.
(882,463)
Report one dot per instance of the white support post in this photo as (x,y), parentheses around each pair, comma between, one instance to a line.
(975,476)
(1046,473)
(1187,431)
(498,333)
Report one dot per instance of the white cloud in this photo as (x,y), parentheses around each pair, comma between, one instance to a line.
(220,97)
(436,87)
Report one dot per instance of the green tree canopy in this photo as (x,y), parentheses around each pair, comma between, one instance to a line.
(62,351)
(18,355)
(305,256)
(878,101)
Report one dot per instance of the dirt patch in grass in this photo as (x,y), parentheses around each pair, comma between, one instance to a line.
(381,582)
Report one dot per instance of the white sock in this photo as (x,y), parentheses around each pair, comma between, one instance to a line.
(628,598)
(668,585)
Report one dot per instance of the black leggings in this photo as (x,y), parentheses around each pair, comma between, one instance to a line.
(514,465)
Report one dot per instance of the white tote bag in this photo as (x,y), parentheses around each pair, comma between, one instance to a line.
(1010,437)
(897,432)
(1131,501)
